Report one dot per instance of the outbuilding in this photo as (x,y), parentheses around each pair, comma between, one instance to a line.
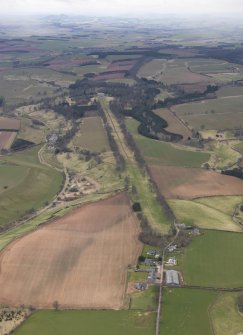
(172,278)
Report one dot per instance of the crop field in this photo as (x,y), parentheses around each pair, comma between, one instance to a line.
(31,132)
(230,91)
(189,183)
(9,124)
(79,260)
(218,70)
(213,259)
(34,185)
(220,113)
(174,124)
(152,69)
(171,72)
(6,139)
(92,135)
(163,153)
(185,311)
(225,316)
(88,322)
(193,88)
(204,215)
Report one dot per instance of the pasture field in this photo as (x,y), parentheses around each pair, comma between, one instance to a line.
(31,132)
(213,259)
(11,175)
(6,139)
(92,135)
(91,248)
(190,183)
(174,124)
(219,71)
(35,185)
(223,155)
(145,300)
(185,311)
(225,315)
(163,153)
(226,204)
(88,322)
(220,113)
(229,91)
(204,216)
(152,69)
(170,72)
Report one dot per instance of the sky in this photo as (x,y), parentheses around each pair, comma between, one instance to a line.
(121,7)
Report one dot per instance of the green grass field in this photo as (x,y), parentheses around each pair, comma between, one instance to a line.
(36,184)
(185,312)
(225,315)
(11,175)
(217,113)
(88,322)
(92,135)
(214,259)
(145,300)
(158,152)
(226,91)
(205,214)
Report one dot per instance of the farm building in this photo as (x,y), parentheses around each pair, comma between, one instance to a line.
(140,286)
(172,278)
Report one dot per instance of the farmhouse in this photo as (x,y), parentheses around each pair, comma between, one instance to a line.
(171,261)
(172,278)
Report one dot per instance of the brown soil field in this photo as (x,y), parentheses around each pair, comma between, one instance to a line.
(174,124)
(192,88)
(108,76)
(6,139)
(9,123)
(190,183)
(79,260)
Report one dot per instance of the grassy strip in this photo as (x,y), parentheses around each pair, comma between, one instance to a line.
(144,194)
(88,322)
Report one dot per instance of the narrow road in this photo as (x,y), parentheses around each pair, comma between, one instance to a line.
(157,328)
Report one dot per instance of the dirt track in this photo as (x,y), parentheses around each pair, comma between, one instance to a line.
(79,260)
(190,183)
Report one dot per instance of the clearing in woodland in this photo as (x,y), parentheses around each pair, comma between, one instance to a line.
(79,260)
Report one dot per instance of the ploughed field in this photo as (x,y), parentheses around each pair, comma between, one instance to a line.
(6,139)
(189,183)
(79,260)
